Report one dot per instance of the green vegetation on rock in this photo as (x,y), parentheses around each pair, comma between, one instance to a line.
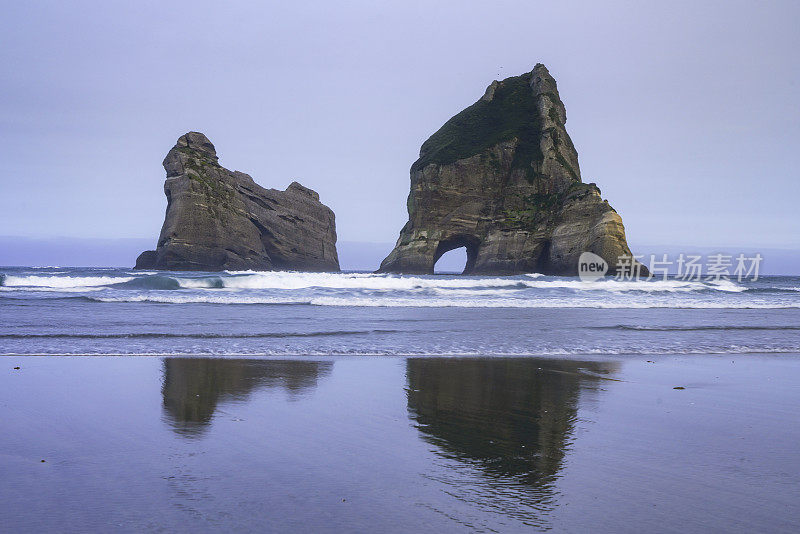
(218,195)
(510,114)
(539,208)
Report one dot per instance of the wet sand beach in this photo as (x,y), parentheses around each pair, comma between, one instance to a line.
(399,444)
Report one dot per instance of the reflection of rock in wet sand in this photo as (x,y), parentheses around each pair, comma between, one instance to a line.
(192,387)
(511,418)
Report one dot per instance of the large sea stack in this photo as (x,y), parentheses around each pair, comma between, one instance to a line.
(222,220)
(502,179)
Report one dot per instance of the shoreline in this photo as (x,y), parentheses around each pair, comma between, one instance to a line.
(367,355)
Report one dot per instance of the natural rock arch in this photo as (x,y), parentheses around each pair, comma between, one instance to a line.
(502,178)
(461,241)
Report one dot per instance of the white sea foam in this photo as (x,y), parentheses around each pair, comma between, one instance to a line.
(296,280)
(62,281)
(541,303)
(482,292)
(281,280)
(483,302)
(77,289)
(561,353)
(170,298)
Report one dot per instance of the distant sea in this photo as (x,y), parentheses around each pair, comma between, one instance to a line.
(57,310)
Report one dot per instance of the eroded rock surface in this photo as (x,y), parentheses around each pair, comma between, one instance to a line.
(222,220)
(502,179)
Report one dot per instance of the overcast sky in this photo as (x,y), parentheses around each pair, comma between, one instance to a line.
(685,114)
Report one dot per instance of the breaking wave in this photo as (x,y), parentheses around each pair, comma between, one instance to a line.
(59,282)
(120,311)
(280,280)
(389,302)
(279,288)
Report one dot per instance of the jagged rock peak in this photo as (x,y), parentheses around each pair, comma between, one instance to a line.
(198,142)
(190,146)
(502,179)
(218,219)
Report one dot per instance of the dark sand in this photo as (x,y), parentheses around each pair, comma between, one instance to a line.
(391,444)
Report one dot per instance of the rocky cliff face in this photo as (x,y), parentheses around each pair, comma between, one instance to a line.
(222,220)
(502,179)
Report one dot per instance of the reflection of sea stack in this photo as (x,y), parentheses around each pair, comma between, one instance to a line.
(193,387)
(511,417)
(222,220)
(502,179)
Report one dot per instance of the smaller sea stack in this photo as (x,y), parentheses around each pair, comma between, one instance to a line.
(222,220)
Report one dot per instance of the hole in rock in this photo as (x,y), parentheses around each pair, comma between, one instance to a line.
(452,262)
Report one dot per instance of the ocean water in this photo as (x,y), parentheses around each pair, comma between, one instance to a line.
(354,402)
(119,311)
